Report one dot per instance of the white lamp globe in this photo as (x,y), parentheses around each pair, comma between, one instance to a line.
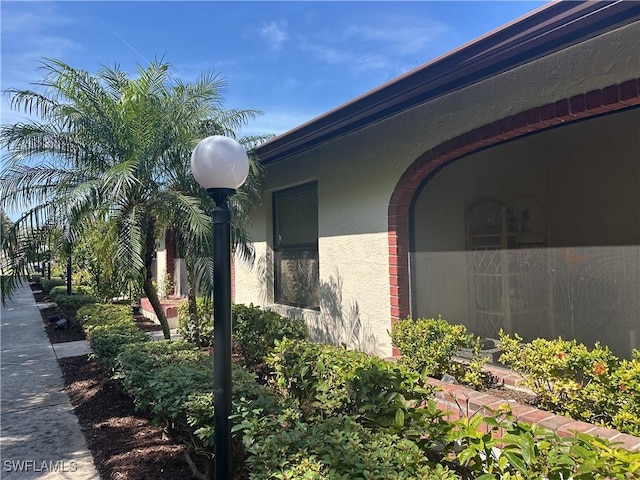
(219,162)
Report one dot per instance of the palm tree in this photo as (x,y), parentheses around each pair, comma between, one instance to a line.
(197,251)
(106,147)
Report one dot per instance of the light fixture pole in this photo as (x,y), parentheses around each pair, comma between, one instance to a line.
(220,165)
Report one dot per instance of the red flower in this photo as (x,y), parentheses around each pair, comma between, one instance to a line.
(561,355)
(623,387)
(599,368)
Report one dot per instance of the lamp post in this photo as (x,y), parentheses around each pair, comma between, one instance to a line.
(220,165)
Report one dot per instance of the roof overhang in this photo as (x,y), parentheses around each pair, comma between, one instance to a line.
(551,28)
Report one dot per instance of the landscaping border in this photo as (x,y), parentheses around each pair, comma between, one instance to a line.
(463,401)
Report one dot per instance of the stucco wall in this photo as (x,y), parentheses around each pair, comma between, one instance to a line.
(357,174)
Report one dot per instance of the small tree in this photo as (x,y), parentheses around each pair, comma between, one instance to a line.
(106,145)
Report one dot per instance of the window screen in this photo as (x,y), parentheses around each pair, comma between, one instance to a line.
(296,246)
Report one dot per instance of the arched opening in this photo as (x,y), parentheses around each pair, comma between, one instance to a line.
(538,236)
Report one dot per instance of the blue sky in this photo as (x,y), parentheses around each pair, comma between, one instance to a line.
(292,60)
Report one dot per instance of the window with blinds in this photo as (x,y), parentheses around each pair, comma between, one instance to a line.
(295,230)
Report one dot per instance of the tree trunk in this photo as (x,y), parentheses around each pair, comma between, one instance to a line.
(149,289)
(68,271)
(191,295)
(152,295)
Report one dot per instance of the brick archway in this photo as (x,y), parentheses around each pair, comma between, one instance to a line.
(590,104)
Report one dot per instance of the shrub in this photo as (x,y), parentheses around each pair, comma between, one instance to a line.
(107,341)
(569,379)
(516,450)
(428,346)
(62,290)
(624,395)
(328,381)
(187,328)
(173,381)
(48,284)
(74,302)
(254,330)
(161,375)
(36,278)
(339,448)
(94,314)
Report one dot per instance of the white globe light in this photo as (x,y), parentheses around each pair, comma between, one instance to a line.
(219,162)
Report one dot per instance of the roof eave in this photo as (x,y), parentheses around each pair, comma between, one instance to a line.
(546,30)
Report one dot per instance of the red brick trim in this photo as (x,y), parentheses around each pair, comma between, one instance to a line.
(460,402)
(588,104)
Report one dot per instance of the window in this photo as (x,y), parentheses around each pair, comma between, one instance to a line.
(295,231)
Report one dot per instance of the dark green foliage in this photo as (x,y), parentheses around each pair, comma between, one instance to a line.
(337,414)
(48,284)
(107,341)
(162,375)
(74,301)
(339,448)
(328,380)
(94,314)
(203,322)
(514,450)
(255,331)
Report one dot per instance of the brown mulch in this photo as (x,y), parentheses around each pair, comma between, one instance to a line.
(145,324)
(522,398)
(124,444)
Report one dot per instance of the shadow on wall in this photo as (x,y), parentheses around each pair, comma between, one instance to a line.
(338,322)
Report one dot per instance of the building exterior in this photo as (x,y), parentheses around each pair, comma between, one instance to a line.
(497,186)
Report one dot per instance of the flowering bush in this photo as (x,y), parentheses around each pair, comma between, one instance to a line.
(590,385)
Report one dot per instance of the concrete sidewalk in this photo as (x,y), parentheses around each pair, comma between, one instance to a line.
(40,436)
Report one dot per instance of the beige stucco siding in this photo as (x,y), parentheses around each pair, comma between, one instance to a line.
(357,173)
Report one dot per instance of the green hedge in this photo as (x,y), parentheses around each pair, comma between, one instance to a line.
(255,330)
(339,414)
(328,381)
(109,338)
(428,345)
(591,385)
(95,314)
(49,284)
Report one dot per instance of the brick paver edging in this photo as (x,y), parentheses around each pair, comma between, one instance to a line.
(463,402)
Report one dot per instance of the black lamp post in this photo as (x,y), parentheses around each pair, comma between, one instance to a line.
(220,164)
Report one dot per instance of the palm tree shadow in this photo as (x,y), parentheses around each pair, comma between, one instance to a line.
(338,321)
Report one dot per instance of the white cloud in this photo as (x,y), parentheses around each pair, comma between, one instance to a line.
(400,34)
(275,35)
(383,45)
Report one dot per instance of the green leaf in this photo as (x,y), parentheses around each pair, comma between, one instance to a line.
(399,417)
(516,461)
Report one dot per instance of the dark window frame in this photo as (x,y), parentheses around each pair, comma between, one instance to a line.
(306,249)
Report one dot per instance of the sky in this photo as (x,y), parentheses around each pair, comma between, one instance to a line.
(291,60)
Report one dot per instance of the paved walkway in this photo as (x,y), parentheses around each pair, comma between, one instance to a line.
(40,436)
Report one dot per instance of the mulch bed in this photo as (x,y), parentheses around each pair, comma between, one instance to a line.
(124,443)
